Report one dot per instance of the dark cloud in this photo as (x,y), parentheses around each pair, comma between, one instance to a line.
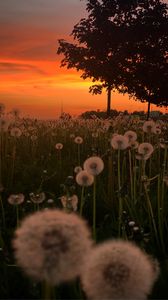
(7,67)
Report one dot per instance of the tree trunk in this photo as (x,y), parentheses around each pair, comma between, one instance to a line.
(108,101)
(148,112)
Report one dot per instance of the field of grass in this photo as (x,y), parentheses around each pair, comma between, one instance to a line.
(122,195)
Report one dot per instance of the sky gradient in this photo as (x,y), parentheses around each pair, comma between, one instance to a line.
(30,75)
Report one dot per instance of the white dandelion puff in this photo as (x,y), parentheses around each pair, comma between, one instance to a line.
(149,127)
(16,132)
(78,140)
(83,178)
(131,135)
(94,165)
(120,271)
(77,169)
(51,245)
(59,146)
(145,149)
(119,142)
(37,197)
(16,199)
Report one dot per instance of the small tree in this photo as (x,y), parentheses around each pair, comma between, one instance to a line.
(116,45)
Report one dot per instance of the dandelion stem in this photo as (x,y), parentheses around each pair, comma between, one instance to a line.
(47,291)
(160,216)
(78,154)
(151,214)
(82,201)
(17,216)
(164,170)
(13,162)
(131,178)
(94,209)
(120,199)
(3,212)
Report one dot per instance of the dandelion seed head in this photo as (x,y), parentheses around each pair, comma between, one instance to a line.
(131,223)
(145,149)
(134,145)
(59,146)
(77,169)
(94,165)
(119,142)
(149,126)
(120,271)
(72,136)
(16,132)
(78,140)
(131,135)
(16,199)
(83,178)
(37,197)
(48,245)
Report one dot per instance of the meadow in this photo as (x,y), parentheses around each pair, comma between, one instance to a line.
(113,173)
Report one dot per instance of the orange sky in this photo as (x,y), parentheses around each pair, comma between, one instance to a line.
(30,75)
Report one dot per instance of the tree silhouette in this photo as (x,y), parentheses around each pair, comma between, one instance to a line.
(122,45)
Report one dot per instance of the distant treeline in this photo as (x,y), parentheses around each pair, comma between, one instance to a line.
(114,113)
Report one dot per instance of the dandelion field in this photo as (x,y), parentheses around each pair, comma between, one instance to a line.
(113,173)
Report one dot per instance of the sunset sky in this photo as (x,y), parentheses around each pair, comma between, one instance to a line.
(30,75)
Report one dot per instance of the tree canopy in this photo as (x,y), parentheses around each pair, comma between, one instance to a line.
(122,45)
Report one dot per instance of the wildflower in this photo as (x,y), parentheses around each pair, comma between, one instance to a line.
(16,132)
(77,169)
(70,203)
(59,146)
(120,271)
(119,142)
(94,165)
(78,140)
(149,126)
(83,178)
(131,135)
(145,149)
(48,245)
(37,197)
(16,199)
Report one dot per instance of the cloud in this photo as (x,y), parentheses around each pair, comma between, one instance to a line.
(8,67)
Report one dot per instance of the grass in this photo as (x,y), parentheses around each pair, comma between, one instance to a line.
(127,190)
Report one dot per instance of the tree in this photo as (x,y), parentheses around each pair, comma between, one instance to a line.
(115,46)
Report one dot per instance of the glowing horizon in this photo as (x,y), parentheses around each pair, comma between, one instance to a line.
(30,73)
